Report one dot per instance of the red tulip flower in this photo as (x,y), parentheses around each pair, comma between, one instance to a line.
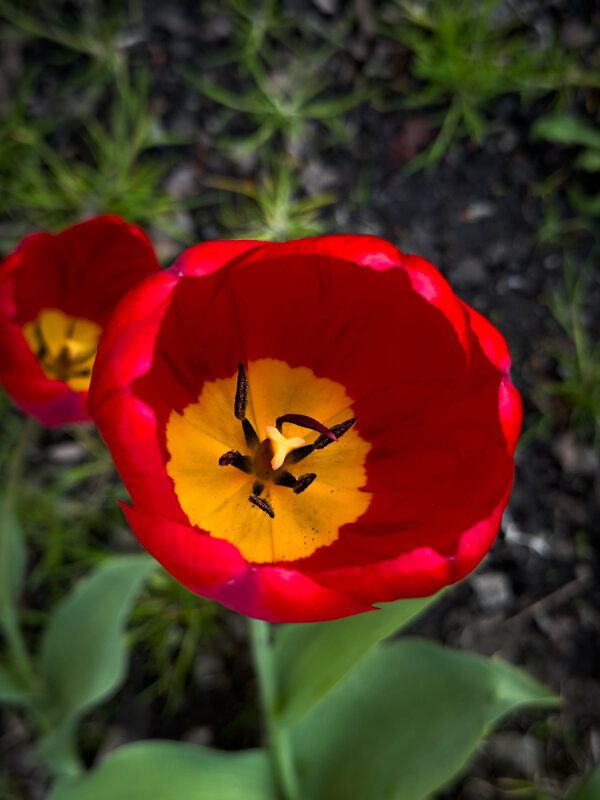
(56,295)
(307,428)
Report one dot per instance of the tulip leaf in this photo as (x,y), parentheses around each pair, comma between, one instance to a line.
(311,659)
(58,749)
(11,691)
(162,770)
(589,789)
(14,569)
(83,654)
(405,721)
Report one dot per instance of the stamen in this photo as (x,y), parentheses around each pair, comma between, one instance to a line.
(229,457)
(338,430)
(239,408)
(304,481)
(285,450)
(43,346)
(250,434)
(284,478)
(297,455)
(241,393)
(236,459)
(263,504)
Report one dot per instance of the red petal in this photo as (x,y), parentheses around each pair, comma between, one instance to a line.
(214,568)
(84,270)
(128,426)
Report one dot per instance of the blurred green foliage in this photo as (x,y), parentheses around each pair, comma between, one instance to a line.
(171,624)
(467,54)
(110,171)
(272,208)
(282,104)
(579,361)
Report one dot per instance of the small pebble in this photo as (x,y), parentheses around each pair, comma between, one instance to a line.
(493,590)
(66,453)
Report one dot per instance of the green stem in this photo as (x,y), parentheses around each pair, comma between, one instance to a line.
(278,735)
(8,613)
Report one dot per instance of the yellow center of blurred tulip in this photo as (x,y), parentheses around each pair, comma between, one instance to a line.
(65,346)
(214,494)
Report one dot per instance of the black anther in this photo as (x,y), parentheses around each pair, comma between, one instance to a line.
(339,430)
(236,459)
(320,442)
(241,393)
(304,481)
(263,504)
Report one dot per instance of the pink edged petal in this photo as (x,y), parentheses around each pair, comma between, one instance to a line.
(51,402)
(475,543)
(511,413)
(491,340)
(202,259)
(494,346)
(65,409)
(128,426)
(368,251)
(275,594)
(429,283)
(419,573)
(215,568)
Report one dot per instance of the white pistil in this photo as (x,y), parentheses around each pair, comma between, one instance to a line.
(281,445)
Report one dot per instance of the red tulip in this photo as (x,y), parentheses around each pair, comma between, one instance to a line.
(56,295)
(307,428)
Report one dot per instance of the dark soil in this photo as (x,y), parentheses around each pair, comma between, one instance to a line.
(535,600)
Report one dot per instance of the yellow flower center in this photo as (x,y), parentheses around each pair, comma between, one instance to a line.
(65,346)
(303,512)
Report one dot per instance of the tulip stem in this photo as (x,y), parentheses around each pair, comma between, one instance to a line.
(9,621)
(278,736)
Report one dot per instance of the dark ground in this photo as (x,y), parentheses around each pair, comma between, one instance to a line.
(535,600)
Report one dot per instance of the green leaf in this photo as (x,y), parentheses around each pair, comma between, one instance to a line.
(58,750)
(83,655)
(11,691)
(567,129)
(16,553)
(217,94)
(311,659)
(588,160)
(161,770)
(405,721)
(589,789)
(583,203)
(333,106)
